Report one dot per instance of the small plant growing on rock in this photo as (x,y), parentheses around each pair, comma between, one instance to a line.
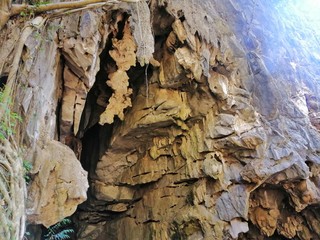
(27,167)
(9,119)
(60,231)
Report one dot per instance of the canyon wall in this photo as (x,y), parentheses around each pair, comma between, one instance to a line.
(172,119)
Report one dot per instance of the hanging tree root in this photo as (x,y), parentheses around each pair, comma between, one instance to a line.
(12,182)
(12,193)
(10,85)
(7,10)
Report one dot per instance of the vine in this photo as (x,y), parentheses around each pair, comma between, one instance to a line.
(12,192)
(12,171)
(12,183)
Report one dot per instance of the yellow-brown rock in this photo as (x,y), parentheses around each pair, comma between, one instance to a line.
(194,119)
(59,184)
(120,99)
(124,56)
(123,52)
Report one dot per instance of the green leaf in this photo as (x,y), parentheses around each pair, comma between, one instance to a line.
(59,231)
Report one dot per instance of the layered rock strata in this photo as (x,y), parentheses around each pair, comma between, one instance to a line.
(182,118)
(208,150)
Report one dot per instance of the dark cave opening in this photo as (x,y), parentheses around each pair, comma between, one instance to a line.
(96,138)
(3,81)
(91,133)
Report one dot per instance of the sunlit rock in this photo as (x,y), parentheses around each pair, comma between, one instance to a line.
(194,120)
(59,184)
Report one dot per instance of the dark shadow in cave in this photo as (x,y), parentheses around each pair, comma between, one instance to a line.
(94,141)
(3,81)
(95,137)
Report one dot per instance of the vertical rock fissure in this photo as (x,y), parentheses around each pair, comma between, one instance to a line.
(96,101)
(95,137)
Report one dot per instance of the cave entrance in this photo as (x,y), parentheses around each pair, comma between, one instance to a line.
(3,81)
(95,137)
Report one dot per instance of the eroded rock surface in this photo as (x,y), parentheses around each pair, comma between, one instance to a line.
(59,184)
(181,115)
(211,147)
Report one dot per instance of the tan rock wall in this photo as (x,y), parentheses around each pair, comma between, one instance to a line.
(188,130)
(207,150)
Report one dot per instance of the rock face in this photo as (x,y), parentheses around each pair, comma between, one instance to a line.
(183,118)
(59,184)
(211,148)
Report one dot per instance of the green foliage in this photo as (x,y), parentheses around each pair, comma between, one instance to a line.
(60,231)
(29,12)
(9,119)
(27,167)
(39,3)
(26,235)
(25,13)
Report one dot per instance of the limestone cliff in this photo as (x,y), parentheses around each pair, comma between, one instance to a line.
(186,119)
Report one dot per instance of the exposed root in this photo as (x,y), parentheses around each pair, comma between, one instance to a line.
(7,11)
(12,193)
(5,6)
(37,22)
(12,182)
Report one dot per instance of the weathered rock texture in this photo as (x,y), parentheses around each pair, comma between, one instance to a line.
(212,147)
(194,120)
(58,186)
